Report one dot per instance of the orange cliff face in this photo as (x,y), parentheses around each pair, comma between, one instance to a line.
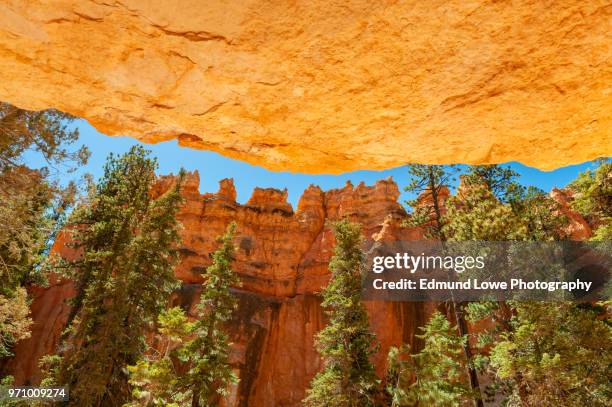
(282,258)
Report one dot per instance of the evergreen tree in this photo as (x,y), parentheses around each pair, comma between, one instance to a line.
(399,376)
(156,377)
(500,181)
(476,214)
(437,372)
(14,320)
(210,372)
(123,276)
(31,203)
(346,343)
(428,182)
(556,354)
(32,207)
(202,345)
(593,198)
(539,351)
(429,213)
(493,206)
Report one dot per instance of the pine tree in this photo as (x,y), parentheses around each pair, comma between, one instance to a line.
(14,320)
(556,354)
(428,181)
(31,203)
(593,198)
(346,343)
(399,376)
(437,370)
(32,207)
(493,206)
(500,181)
(538,351)
(156,377)
(124,276)
(541,354)
(210,372)
(202,346)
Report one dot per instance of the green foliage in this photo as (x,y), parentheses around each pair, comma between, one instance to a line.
(31,205)
(538,216)
(155,378)
(428,182)
(492,206)
(32,208)
(49,366)
(201,346)
(430,213)
(539,352)
(346,343)
(475,214)
(435,376)
(399,376)
(593,198)
(14,321)
(127,245)
(207,354)
(45,132)
(500,181)
(556,354)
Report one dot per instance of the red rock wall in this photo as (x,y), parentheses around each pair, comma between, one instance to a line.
(282,259)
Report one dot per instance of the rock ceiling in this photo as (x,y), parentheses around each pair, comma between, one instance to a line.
(324,86)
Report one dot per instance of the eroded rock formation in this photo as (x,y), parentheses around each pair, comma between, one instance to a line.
(282,259)
(324,86)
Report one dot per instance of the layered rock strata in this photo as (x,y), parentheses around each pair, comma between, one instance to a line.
(282,259)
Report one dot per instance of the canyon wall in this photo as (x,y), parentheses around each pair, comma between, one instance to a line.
(324,86)
(282,258)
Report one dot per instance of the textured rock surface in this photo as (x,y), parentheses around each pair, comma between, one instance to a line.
(282,260)
(324,86)
(577,228)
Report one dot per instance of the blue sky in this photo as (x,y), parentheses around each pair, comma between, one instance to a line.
(213,167)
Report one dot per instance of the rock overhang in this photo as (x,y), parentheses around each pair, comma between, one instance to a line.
(325,87)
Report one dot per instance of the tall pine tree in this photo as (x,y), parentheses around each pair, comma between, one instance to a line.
(123,276)
(197,371)
(346,343)
(438,376)
(32,207)
(210,372)
(428,213)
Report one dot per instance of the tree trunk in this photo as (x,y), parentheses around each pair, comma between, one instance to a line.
(195,399)
(457,307)
(463,331)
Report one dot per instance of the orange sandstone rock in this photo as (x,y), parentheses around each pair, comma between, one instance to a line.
(324,86)
(577,228)
(282,258)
